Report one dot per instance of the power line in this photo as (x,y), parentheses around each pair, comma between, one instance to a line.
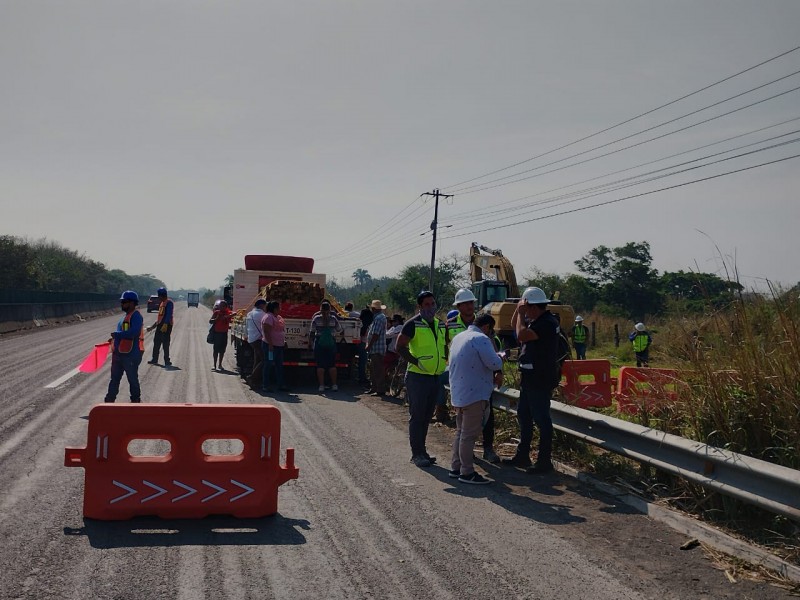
(671,102)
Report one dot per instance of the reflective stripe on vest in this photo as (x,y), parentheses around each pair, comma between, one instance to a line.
(640,343)
(579,335)
(427,349)
(126,345)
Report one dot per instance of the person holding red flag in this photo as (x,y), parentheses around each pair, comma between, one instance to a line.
(128,348)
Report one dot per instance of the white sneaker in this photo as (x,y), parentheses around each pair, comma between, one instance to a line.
(322,388)
(334,388)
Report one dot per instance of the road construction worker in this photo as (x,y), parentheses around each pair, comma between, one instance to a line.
(537,331)
(422,344)
(128,342)
(163,327)
(641,340)
(464,316)
(579,335)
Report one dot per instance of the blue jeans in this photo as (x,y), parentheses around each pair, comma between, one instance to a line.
(580,350)
(129,365)
(421,392)
(534,407)
(276,363)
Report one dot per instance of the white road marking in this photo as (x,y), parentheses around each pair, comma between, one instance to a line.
(63,378)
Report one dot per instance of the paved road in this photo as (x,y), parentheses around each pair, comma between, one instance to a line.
(360,522)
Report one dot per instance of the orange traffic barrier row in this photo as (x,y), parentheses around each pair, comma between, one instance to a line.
(645,387)
(586,383)
(187,481)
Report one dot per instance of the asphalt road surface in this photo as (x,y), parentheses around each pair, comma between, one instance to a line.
(360,522)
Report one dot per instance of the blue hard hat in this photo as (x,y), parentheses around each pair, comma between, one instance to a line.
(452,314)
(161,291)
(130,295)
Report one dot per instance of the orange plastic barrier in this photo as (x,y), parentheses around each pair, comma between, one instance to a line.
(586,383)
(185,481)
(645,387)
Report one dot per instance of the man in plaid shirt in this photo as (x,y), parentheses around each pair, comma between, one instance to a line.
(376,348)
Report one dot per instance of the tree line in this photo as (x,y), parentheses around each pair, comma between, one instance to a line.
(618,281)
(43,265)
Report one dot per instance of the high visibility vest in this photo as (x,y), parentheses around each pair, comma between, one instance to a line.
(579,334)
(427,348)
(126,345)
(162,308)
(640,342)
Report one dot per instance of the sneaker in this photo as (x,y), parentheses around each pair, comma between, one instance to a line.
(321,388)
(152,362)
(517,461)
(540,469)
(430,458)
(491,456)
(167,364)
(454,474)
(334,388)
(421,461)
(474,478)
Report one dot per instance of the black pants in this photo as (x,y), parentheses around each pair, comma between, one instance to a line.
(488,428)
(162,339)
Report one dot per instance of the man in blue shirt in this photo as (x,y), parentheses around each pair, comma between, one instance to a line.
(163,327)
(473,364)
(128,347)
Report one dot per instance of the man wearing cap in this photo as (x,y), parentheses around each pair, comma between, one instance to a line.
(537,332)
(376,348)
(422,344)
(163,327)
(579,335)
(641,340)
(254,337)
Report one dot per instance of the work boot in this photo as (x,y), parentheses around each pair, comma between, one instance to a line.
(442,415)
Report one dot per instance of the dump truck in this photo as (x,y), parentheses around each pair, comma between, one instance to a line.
(291,281)
(494,284)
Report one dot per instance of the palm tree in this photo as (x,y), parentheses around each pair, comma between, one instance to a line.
(361,277)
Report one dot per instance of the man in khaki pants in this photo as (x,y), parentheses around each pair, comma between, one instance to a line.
(473,367)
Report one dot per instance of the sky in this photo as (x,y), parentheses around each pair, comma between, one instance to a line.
(173,137)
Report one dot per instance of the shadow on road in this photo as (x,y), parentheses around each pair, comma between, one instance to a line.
(217,530)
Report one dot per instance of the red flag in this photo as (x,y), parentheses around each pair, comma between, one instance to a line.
(95,359)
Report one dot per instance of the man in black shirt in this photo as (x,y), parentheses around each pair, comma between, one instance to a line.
(537,332)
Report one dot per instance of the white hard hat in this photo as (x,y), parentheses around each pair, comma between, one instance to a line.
(463,295)
(534,295)
(640,327)
(578,319)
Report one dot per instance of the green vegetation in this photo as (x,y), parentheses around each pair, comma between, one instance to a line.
(42,265)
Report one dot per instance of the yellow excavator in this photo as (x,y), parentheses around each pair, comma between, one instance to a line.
(494,284)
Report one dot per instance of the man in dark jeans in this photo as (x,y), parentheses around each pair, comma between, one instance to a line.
(537,332)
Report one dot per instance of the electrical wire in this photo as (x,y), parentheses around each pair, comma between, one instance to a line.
(652,110)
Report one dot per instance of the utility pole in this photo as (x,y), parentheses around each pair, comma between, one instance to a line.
(434,224)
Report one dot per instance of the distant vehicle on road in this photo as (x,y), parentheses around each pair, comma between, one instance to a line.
(153,303)
(193,299)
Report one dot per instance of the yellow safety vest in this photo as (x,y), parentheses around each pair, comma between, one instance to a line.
(579,334)
(640,342)
(427,348)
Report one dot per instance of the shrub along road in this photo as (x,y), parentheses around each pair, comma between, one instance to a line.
(360,522)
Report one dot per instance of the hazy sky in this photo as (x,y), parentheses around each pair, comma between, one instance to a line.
(174,137)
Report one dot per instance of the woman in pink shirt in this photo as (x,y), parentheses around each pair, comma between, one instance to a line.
(221,319)
(273,342)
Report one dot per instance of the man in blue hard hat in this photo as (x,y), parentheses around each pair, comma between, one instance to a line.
(163,327)
(128,342)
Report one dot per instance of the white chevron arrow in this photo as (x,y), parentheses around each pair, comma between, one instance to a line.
(160,491)
(130,491)
(244,487)
(216,487)
(189,490)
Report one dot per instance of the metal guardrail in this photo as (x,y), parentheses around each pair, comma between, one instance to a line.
(758,482)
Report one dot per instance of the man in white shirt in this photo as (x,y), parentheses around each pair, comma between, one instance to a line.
(254,333)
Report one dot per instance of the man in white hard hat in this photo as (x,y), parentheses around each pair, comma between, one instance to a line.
(641,340)
(537,331)
(579,335)
(465,301)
